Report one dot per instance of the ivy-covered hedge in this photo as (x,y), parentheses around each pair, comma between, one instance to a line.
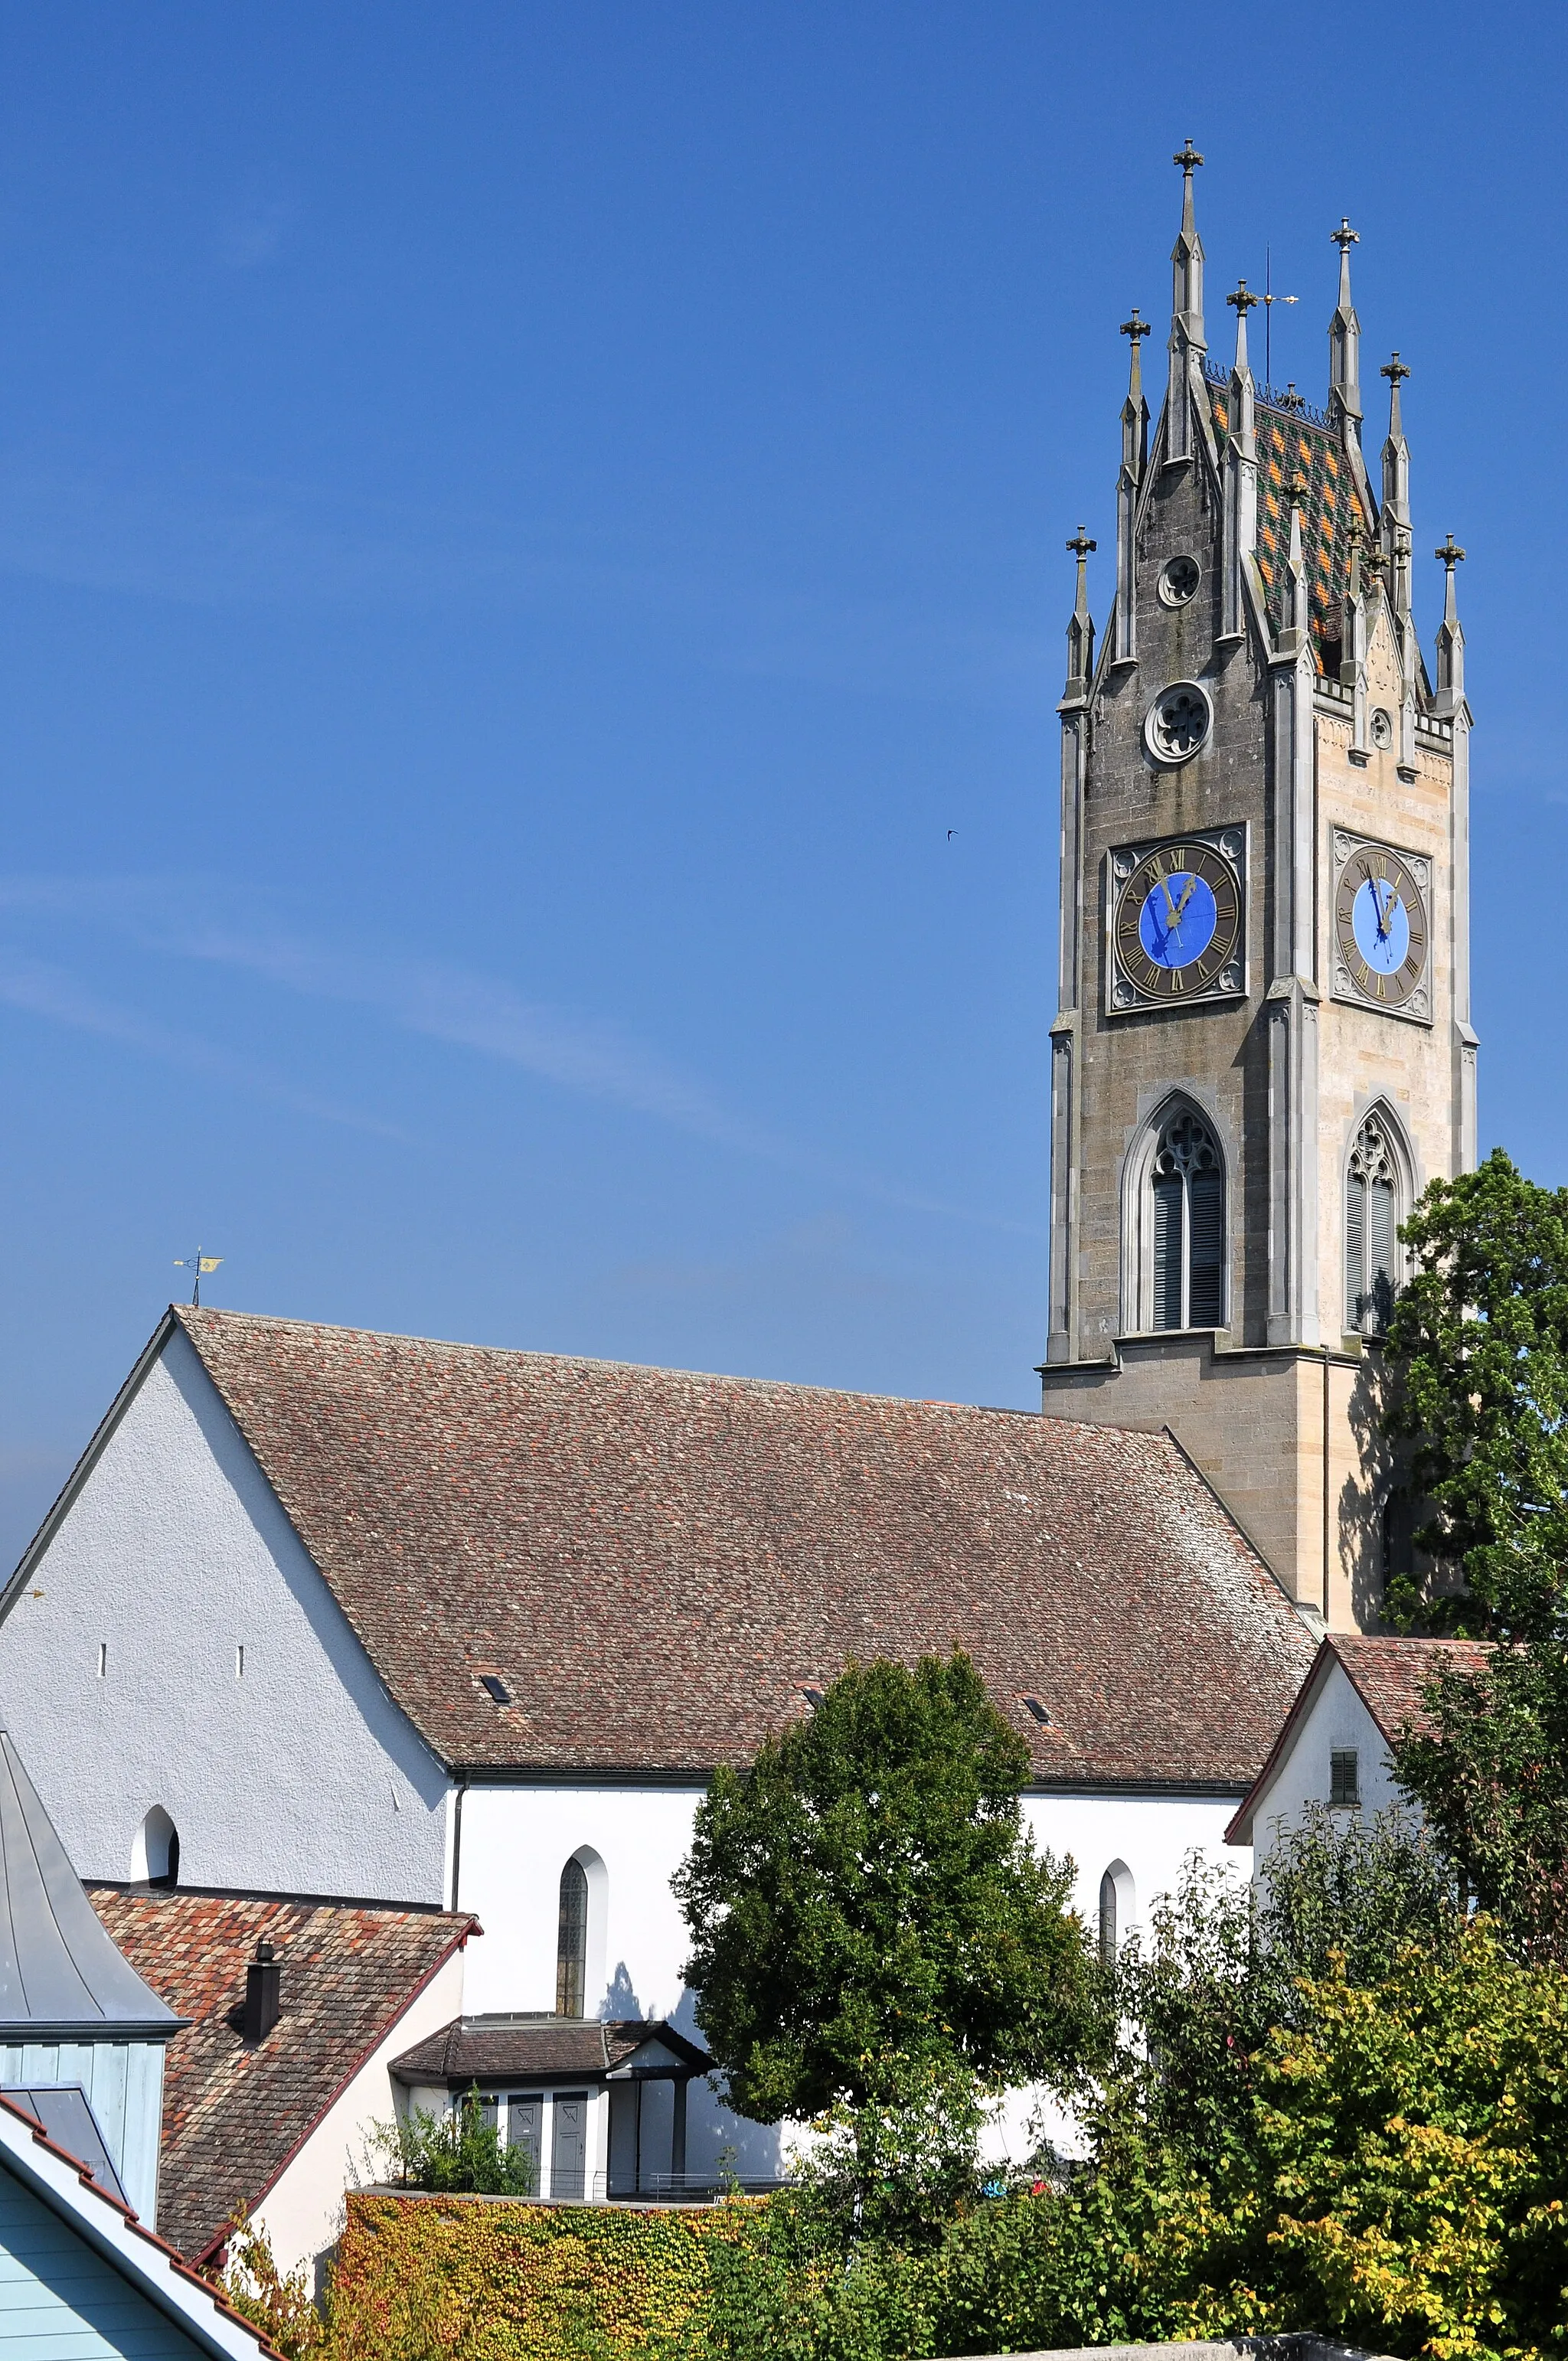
(425,2278)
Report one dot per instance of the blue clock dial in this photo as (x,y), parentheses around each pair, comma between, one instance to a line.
(1382,924)
(1176,923)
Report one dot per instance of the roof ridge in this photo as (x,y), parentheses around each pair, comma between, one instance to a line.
(187,1316)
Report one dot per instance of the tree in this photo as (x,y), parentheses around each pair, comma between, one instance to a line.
(865,1900)
(1478,1348)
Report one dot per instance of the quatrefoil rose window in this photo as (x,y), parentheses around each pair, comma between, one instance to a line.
(1178,581)
(1178,723)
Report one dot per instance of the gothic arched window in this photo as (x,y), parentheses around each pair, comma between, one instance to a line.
(1189,1244)
(1372,1210)
(572,1941)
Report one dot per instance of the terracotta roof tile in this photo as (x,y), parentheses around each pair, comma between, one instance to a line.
(234,2116)
(1391,1675)
(652,1563)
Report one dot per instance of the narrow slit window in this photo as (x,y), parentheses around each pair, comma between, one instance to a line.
(1108,1920)
(102,1660)
(239,1661)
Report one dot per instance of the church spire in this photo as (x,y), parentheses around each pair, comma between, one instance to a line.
(1241,473)
(1344,340)
(1188,344)
(1397,493)
(1450,638)
(1081,629)
(1135,459)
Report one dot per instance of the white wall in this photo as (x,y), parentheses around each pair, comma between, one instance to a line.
(516,1841)
(300,1777)
(303,2211)
(1335,1717)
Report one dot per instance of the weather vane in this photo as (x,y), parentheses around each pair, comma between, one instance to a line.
(199,1265)
(1268,299)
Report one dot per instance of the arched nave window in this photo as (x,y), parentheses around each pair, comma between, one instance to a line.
(1188,1236)
(1115,1911)
(1375,1205)
(572,1941)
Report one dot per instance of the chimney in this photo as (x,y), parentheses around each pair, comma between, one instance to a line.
(263,1977)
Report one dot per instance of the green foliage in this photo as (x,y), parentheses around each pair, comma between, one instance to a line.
(1491,1776)
(1478,1343)
(1407,2183)
(467,2280)
(459,2150)
(280,2305)
(867,1892)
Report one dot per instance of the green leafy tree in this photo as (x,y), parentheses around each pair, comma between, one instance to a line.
(866,1893)
(1478,1347)
(1489,1768)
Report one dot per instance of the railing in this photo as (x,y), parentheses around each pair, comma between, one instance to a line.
(1287,404)
(682,2187)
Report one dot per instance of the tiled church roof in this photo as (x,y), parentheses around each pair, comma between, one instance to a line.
(234,2116)
(1288,441)
(653,1565)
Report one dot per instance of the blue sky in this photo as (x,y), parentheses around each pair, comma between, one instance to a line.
(531,586)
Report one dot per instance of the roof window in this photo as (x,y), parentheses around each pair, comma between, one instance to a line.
(1032,1704)
(812,1695)
(495,1688)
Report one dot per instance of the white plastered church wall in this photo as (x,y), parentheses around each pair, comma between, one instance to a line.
(303,2211)
(516,1839)
(301,1776)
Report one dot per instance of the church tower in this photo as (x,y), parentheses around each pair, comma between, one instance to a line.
(1263,1049)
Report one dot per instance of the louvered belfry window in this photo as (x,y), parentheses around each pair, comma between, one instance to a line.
(572,1941)
(1188,1184)
(1371,1226)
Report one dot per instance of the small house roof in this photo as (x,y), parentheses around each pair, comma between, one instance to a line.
(1389,1676)
(233,2115)
(60,1973)
(502,2049)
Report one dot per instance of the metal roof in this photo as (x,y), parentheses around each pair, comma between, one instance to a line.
(61,1977)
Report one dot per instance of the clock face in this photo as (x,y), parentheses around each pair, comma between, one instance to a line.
(1177,920)
(1381,921)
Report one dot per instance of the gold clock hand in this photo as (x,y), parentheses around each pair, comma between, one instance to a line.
(1171,909)
(1385,909)
(1186,898)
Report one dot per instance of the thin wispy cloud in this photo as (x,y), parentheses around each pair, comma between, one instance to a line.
(60,998)
(435,1000)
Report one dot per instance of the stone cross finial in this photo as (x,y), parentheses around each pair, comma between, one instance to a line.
(1135,327)
(1081,545)
(1451,554)
(1344,238)
(1187,158)
(1394,370)
(1297,490)
(1242,301)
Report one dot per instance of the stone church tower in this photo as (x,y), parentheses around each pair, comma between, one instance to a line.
(1263,1049)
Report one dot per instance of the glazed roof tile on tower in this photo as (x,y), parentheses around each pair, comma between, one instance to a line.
(652,1565)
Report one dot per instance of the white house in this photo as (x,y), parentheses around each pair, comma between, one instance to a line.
(1332,1747)
(328,1613)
